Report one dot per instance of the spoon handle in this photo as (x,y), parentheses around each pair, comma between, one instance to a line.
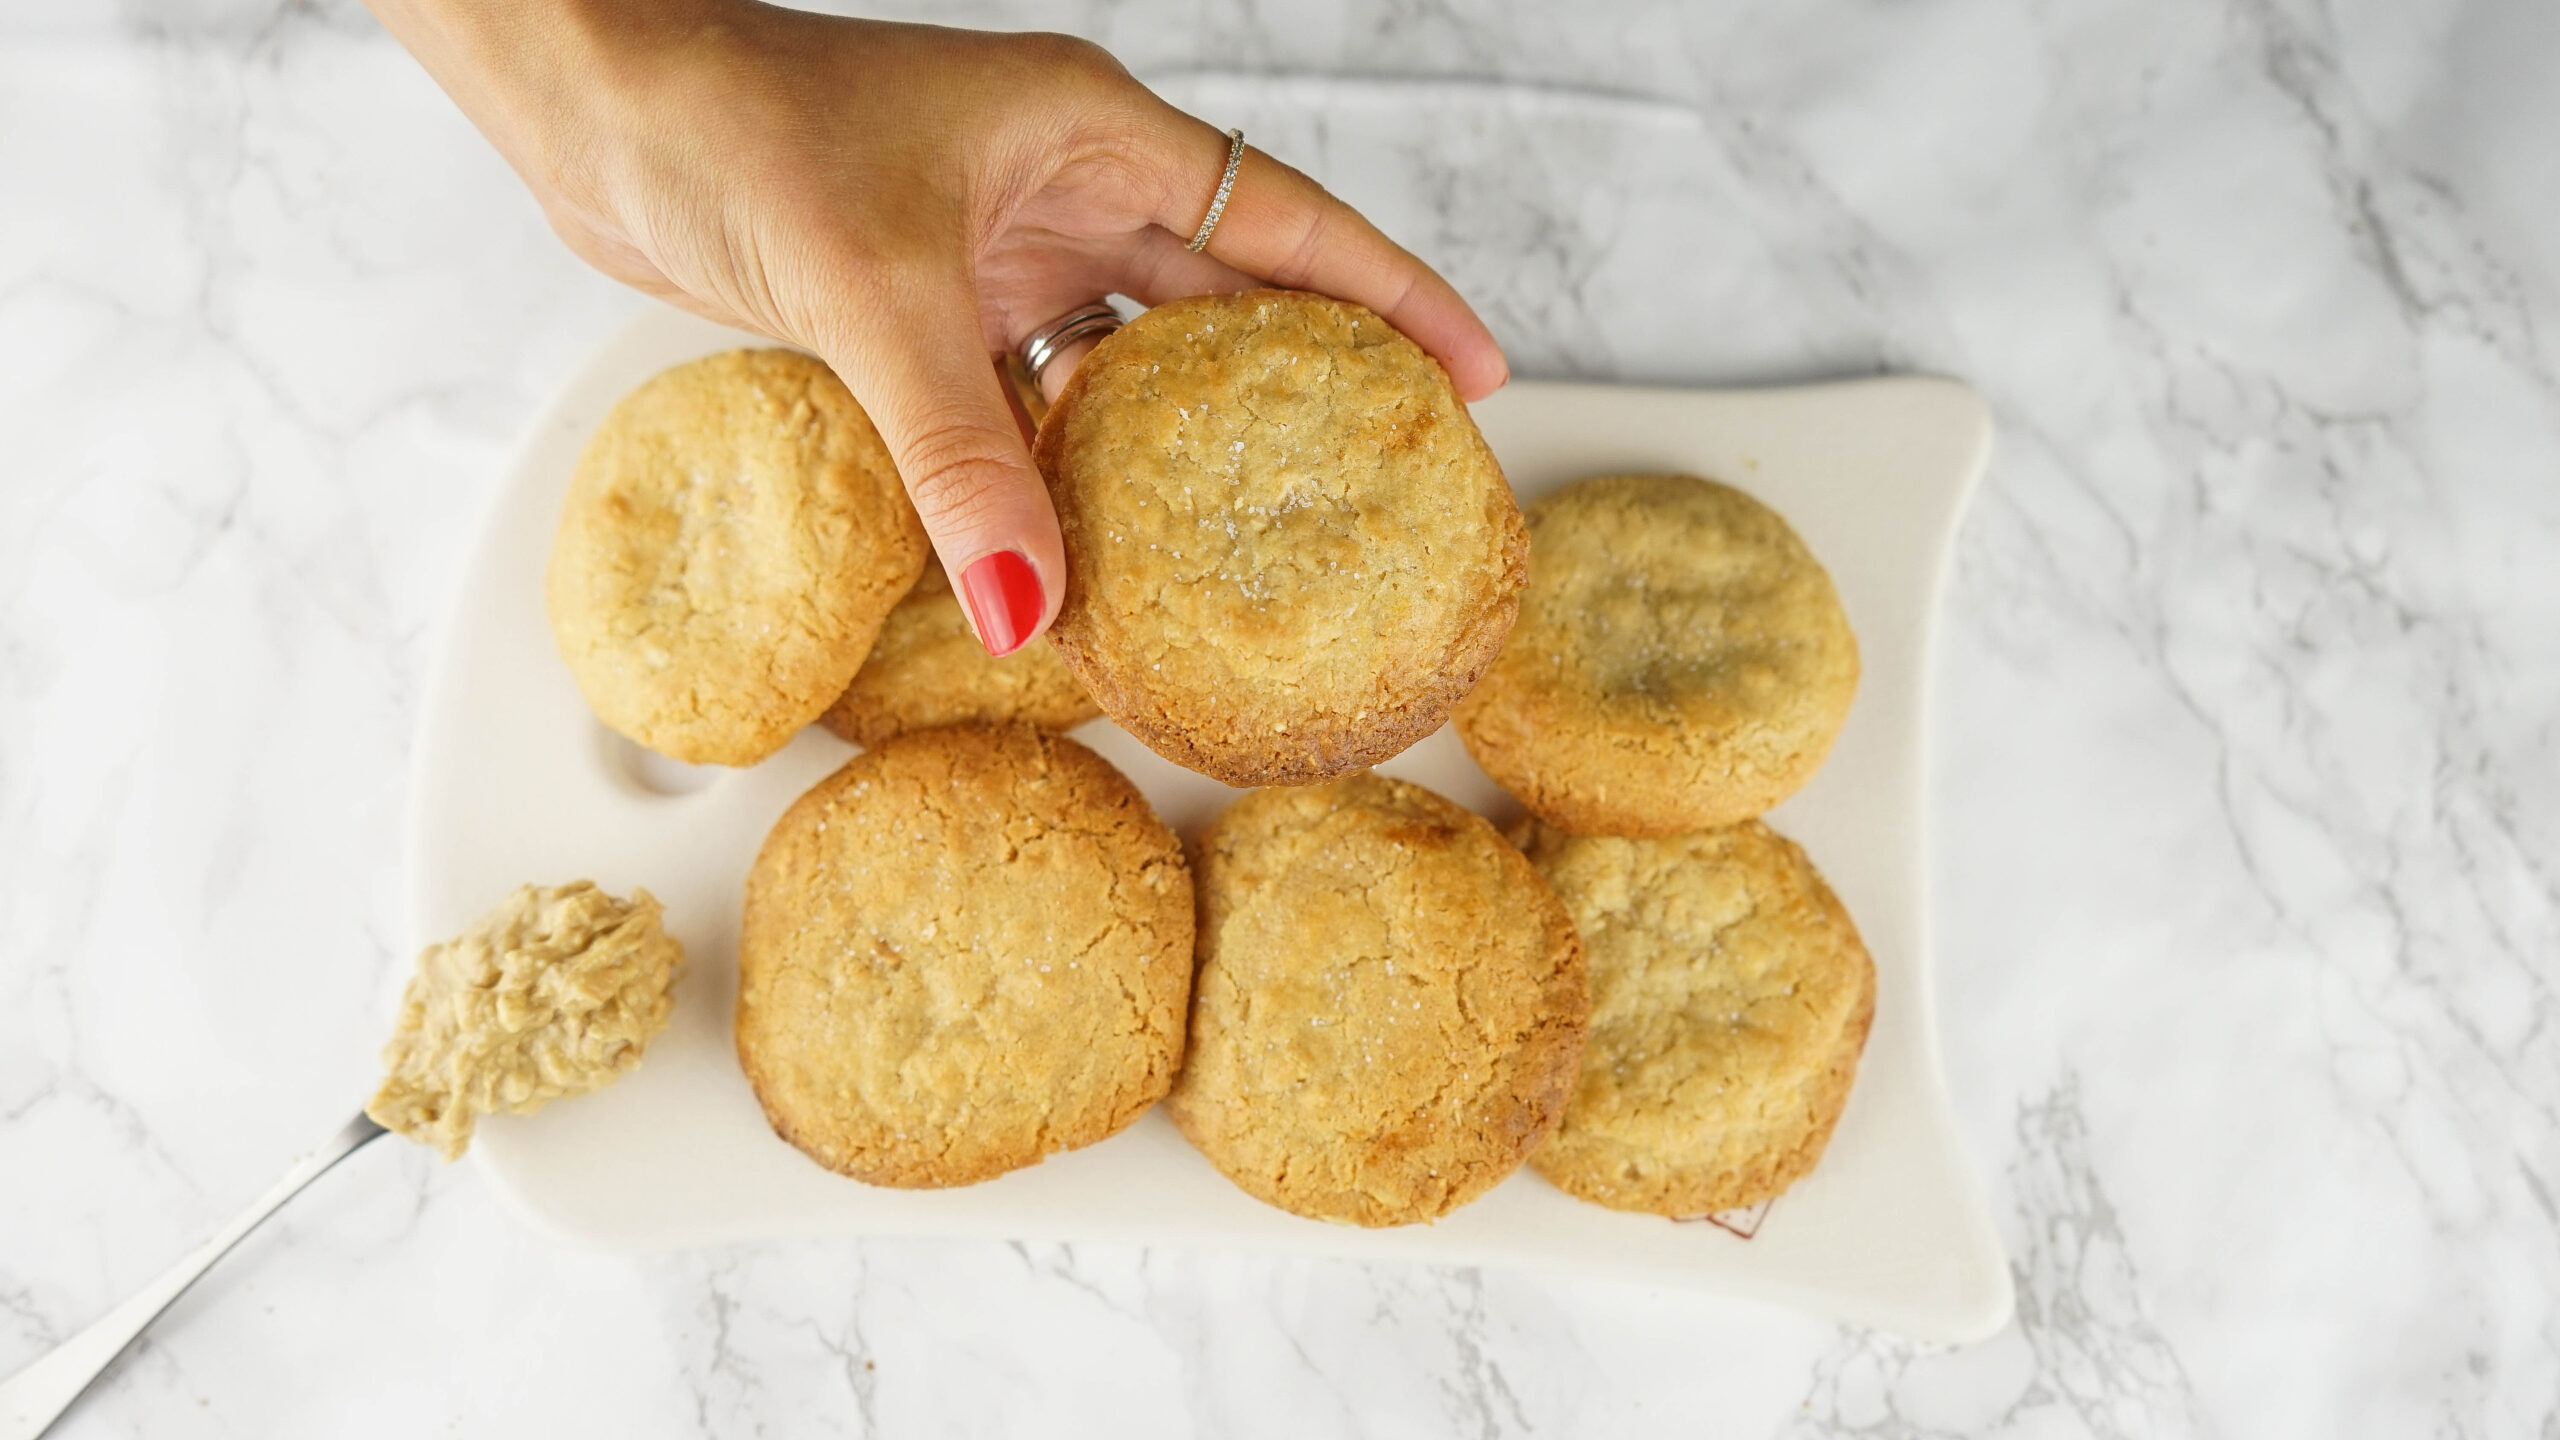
(32,1399)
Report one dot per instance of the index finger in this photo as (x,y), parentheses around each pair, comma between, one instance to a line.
(1285,228)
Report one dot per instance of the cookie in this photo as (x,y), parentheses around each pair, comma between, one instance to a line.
(734,535)
(927,669)
(1681,661)
(967,949)
(1730,1000)
(1288,550)
(1389,1006)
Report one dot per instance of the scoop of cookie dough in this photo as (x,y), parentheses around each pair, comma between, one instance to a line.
(734,535)
(1730,1000)
(1681,661)
(553,994)
(964,951)
(1288,550)
(927,669)
(1389,1006)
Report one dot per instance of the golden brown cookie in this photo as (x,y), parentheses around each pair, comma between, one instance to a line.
(966,950)
(1288,550)
(734,535)
(1681,661)
(1389,1006)
(927,669)
(1730,1000)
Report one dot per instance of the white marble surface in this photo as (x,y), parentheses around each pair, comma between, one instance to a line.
(2247,825)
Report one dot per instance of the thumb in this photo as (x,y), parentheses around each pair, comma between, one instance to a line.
(922,375)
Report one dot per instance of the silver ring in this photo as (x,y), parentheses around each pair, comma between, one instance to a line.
(1226,187)
(1080,323)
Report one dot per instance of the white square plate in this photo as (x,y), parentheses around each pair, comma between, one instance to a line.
(516,781)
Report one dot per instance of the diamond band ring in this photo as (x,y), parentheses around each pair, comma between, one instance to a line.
(1226,187)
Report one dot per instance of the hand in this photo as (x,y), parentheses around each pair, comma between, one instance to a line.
(903,201)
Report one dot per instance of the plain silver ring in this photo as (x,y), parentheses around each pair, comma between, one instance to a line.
(1043,345)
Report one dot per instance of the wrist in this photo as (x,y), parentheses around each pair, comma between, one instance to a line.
(505,36)
(533,77)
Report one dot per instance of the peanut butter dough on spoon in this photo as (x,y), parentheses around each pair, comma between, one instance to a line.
(555,993)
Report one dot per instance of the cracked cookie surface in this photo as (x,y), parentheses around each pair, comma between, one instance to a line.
(1389,1006)
(733,537)
(1681,661)
(967,949)
(927,669)
(1730,1001)
(1289,551)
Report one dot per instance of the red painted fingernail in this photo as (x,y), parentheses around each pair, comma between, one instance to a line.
(1004,598)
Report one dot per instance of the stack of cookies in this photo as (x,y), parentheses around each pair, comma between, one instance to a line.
(1290,555)
(971,946)
(738,559)
(734,538)
(1681,665)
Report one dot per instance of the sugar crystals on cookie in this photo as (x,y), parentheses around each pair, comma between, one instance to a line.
(1289,552)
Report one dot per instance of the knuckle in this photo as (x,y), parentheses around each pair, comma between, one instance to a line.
(1307,251)
(878,267)
(846,293)
(1400,293)
(957,474)
(1074,60)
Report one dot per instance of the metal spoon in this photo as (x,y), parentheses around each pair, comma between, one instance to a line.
(32,1399)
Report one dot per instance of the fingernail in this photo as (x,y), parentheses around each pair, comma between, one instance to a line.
(1004,598)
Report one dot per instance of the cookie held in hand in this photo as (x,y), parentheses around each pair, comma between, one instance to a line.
(1289,552)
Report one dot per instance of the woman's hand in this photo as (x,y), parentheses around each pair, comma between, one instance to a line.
(903,201)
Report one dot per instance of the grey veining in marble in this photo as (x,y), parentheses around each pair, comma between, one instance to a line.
(2247,772)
